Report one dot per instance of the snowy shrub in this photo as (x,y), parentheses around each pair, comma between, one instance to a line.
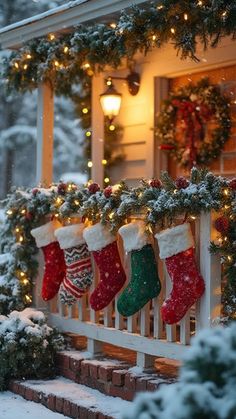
(27,346)
(207,383)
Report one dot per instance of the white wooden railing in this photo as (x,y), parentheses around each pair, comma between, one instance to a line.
(145,332)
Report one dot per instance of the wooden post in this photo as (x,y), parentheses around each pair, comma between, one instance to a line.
(45,122)
(209,306)
(44,165)
(97,130)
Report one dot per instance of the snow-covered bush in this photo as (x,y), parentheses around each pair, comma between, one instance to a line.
(207,383)
(27,346)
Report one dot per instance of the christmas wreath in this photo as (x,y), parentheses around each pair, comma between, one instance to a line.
(194,124)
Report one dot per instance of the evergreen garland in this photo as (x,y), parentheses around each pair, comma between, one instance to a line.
(72,58)
(161,203)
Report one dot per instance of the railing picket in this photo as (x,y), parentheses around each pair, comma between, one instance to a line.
(108,316)
(94,315)
(82,308)
(145,320)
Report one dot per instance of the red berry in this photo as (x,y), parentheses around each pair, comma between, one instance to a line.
(93,188)
(181,182)
(35,191)
(107,191)
(222,224)
(155,183)
(29,216)
(61,189)
(232,184)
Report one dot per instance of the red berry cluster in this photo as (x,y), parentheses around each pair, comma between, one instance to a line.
(181,182)
(155,183)
(222,224)
(93,188)
(107,191)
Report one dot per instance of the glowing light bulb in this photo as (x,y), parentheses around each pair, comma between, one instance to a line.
(56,63)
(9,212)
(226,192)
(28,56)
(175,191)
(51,36)
(229,258)
(112,127)
(21,239)
(90,164)
(224,13)
(86,66)
(113,25)
(111,215)
(58,200)
(160,7)
(88,133)
(17,230)
(23,211)
(185,16)
(200,3)
(76,202)
(16,65)
(25,281)
(85,111)
(154,37)
(25,66)
(104,162)
(28,299)
(172,31)
(193,217)
(106,180)
(22,274)
(66,49)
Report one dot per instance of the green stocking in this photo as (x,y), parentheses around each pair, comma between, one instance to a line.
(144,283)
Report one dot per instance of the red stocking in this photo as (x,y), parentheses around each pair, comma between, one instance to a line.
(176,247)
(103,246)
(54,270)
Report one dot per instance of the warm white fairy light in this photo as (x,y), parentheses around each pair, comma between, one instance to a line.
(66,49)
(9,212)
(185,16)
(104,162)
(172,30)
(56,63)
(28,56)
(106,180)
(85,111)
(25,66)
(23,211)
(113,25)
(51,36)
(90,164)
(16,65)
(88,133)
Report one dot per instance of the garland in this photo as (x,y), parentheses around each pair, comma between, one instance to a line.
(160,201)
(71,59)
(182,124)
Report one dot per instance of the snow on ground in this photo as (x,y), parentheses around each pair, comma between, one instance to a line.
(87,397)
(13,406)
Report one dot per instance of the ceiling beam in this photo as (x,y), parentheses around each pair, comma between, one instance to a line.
(60,19)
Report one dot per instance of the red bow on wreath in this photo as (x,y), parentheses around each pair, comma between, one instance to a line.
(195,115)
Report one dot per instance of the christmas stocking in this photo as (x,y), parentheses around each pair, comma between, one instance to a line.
(144,283)
(79,274)
(104,248)
(54,270)
(176,247)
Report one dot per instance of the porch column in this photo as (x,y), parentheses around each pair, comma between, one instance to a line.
(97,130)
(45,122)
(161,90)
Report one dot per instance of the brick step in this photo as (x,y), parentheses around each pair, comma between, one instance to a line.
(72,400)
(110,376)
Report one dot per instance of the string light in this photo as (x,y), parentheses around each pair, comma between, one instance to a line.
(66,49)
(22,274)
(104,162)
(56,63)
(193,217)
(23,211)
(111,215)
(16,65)
(56,215)
(185,16)
(25,281)
(51,36)
(17,230)
(175,191)
(90,164)
(154,37)
(112,127)
(85,111)
(69,187)
(21,239)
(9,212)
(200,3)
(172,30)
(226,192)
(28,56)
(25,66)
(229,258)
(86,66)
(160,7)
(225,239)
(59,200)
(109,82)
(113,25)
(106,180)
(28,299)
(224,13)
(76,202)
(88,133)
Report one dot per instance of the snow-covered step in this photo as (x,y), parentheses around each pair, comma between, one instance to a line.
(73,400)
(13,406)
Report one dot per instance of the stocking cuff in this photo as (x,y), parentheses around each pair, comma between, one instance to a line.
(44,234)
(70,236)
(174,240)
(97,237)
(134,235)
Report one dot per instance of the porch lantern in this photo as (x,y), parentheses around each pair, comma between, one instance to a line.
(111,100)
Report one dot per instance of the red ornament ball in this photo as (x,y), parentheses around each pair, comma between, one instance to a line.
(35,191)
(29,216)
(181,182)
(222,224)
(232,184)
(93,188)
(107,191)
(155,183)
(61,189)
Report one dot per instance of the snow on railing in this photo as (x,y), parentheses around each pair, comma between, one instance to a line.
(145,331)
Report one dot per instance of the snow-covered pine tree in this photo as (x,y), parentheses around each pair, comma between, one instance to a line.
(18,122)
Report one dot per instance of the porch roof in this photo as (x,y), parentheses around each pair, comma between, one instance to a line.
(62,19)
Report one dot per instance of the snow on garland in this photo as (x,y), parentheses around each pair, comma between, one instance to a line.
(160,201)
(183,124)
(70,58)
